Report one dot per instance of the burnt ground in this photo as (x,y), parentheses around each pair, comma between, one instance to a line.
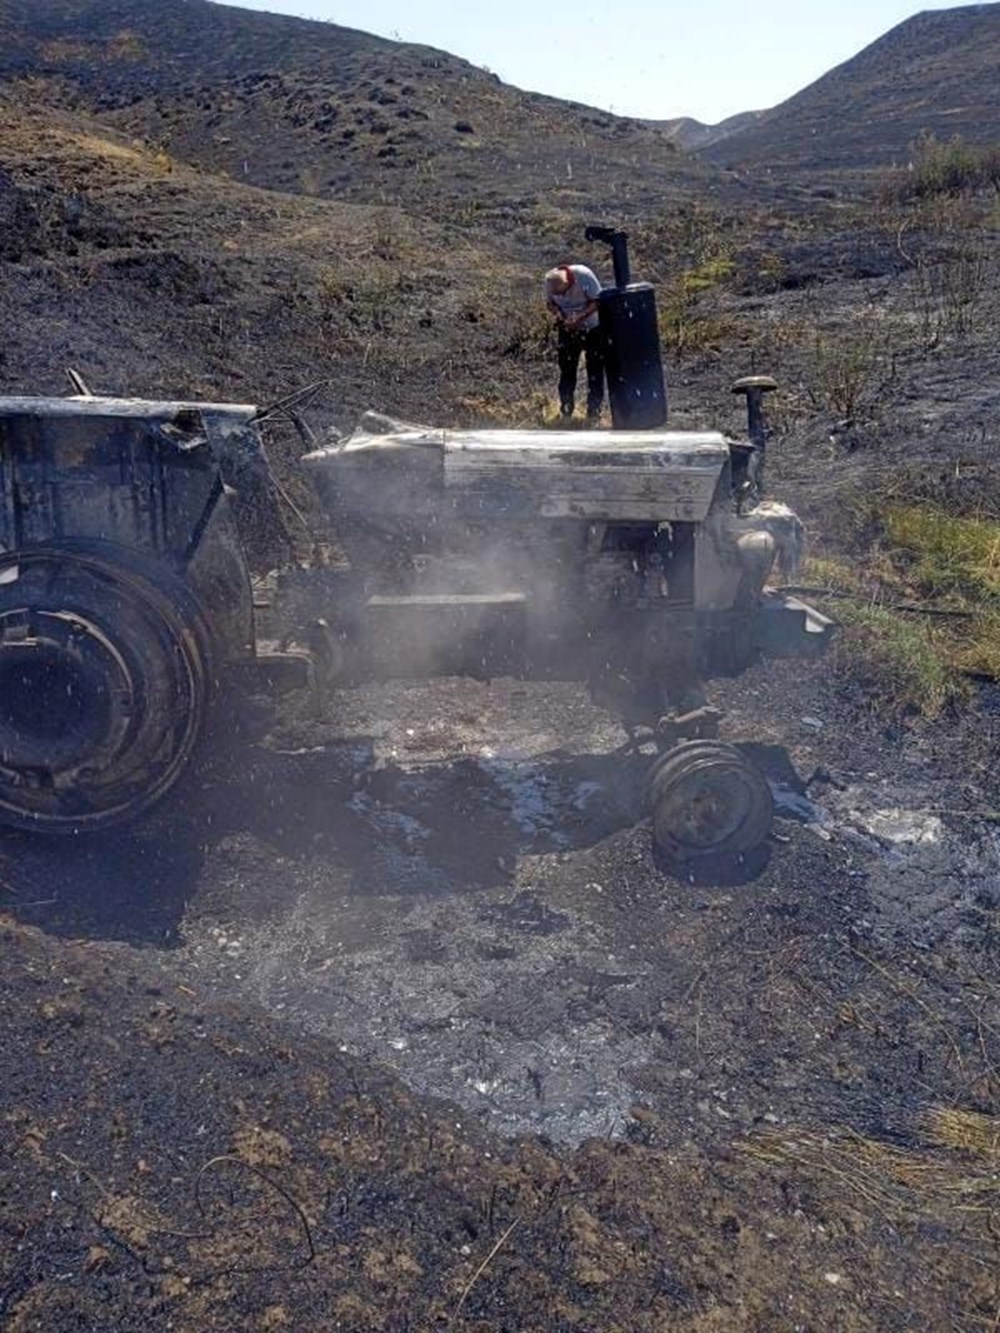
(413,894)
(391,1021)
(736,1080)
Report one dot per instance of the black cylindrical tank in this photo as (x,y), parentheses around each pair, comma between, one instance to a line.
(632,356)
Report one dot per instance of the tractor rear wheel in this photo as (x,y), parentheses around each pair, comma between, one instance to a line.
(105,682)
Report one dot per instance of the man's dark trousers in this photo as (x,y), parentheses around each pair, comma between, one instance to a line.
(571,343)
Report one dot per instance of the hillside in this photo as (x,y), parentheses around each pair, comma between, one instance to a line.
(321,110)
(156,279)
(935,73)
(692,135)
(170,225)
(210,201)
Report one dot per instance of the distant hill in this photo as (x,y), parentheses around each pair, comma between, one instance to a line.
(692,135)
(201,199)
(321,110)
(938,72)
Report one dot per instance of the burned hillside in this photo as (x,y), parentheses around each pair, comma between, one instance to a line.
(316,109)
(933,74)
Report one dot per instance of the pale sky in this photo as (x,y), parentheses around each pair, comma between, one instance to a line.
(707,59)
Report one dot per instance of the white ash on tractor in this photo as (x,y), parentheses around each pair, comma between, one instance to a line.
(633,561)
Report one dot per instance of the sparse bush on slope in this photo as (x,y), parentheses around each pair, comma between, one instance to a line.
(947,167)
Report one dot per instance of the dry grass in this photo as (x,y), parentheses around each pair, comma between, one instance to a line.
(952,1180)
(965,1131)
(947,168)
(538,411)
(978,654)
(92,146)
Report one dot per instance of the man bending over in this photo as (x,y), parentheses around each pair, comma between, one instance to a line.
(571,292)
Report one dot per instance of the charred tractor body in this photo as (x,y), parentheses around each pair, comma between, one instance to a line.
(124,597)
(634,561)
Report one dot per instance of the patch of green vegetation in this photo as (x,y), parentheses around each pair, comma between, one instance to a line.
(945,555)
(686,324)
(711,273)
(536,411)
(691,256)
(901,659)
(921,612)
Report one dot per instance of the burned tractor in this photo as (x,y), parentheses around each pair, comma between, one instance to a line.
(635,561)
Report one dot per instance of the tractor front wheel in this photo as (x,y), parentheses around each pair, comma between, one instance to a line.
(708,802)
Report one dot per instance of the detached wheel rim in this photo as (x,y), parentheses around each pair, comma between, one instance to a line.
(708,801)
(104,687)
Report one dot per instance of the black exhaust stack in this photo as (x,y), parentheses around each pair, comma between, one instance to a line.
(632,342)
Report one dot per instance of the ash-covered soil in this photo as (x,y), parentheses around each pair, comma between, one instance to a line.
(734,1079)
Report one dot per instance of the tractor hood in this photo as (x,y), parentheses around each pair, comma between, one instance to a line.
(388,467)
